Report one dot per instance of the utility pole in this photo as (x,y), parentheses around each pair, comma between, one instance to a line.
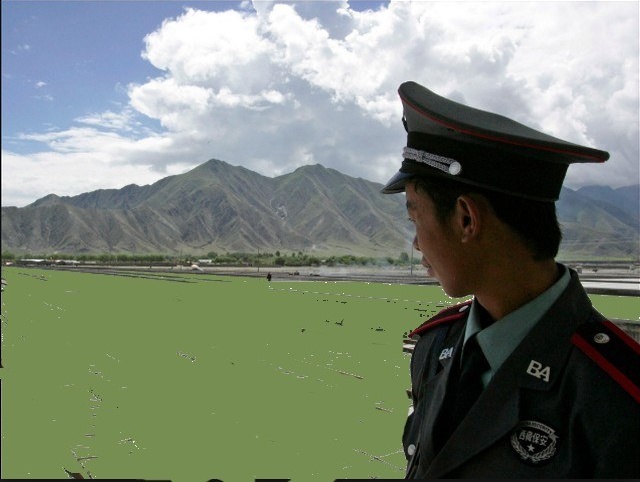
(258,262)
(411,262)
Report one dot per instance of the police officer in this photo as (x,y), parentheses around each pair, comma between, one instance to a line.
(525,379)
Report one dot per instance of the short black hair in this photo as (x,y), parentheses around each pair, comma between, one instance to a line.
(535,222)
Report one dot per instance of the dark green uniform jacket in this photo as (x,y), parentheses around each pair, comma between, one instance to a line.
(565,404)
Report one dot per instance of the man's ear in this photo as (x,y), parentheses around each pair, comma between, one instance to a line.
(469,216)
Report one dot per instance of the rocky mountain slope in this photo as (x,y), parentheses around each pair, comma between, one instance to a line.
(216,207)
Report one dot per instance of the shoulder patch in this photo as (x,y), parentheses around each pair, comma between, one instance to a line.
(448,315)
(612,350)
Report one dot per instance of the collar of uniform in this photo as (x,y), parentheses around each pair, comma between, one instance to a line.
(498,340)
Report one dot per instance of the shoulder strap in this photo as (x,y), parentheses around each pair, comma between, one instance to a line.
(612,350)
(447,315)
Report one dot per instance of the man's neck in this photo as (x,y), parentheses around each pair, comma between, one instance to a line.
(509,289)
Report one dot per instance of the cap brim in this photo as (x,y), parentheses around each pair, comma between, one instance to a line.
(397,183)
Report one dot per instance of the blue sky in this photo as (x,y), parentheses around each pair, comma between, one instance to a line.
(63,59)
(54,53)
(101,94)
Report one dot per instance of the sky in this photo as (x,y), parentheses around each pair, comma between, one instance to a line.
(103,94)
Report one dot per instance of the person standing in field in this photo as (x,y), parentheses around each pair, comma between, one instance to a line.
(526,379)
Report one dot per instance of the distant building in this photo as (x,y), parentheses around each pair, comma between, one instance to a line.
(33,261)
(71,262)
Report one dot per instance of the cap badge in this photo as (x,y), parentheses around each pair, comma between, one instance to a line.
(444,164)
(534,442)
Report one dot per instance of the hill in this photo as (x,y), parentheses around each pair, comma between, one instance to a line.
(219,207)
(600,223)
(216,207)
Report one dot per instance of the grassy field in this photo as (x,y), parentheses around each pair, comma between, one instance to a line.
(198,377)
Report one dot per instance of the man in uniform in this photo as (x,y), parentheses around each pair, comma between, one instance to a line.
(526,379)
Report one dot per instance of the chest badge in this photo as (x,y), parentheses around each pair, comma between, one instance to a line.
(535,369)
(534,442)
(446,353)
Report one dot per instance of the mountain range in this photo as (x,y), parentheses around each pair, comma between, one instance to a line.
(219,207)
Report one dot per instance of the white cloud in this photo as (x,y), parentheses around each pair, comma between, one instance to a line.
(67,174)
(203,47)
(276,85)
(20,48)
(46,97)
(123,120)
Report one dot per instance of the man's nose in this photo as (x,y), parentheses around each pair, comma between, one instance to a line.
(415,242)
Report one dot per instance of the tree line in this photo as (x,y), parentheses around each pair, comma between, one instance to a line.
(277,258)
